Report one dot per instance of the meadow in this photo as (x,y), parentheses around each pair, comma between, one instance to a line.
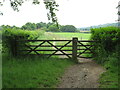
(69,36)
(64,35)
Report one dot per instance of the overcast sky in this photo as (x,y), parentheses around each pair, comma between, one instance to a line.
(80,13)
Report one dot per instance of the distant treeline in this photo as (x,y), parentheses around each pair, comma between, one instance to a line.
(99,26)
(48,27)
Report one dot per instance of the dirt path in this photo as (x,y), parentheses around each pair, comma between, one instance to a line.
(82,75)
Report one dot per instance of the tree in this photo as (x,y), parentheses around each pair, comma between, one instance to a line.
(49,24)
(68,28)
(8,26)
(50,5)
(29,26)
(41,25)
(53,28)
(15,27)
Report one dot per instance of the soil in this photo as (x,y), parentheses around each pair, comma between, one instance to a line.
(83,75)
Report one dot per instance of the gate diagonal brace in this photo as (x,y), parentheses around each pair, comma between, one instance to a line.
(29,48)
(59,49)
(87,48)
(36,48)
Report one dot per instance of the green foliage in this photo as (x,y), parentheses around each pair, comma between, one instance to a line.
(32,72)
(68,28)
(108,42)
(109,37)
(29,26)
(53,28)
(0,36)
(41,25)
(52,7)
(109,80)
(8,26)
(9,36)
(34,26)
(49,24)
(107,51)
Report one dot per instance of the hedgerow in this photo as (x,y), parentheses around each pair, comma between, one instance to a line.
(107,51)
(9,36)
(108,37)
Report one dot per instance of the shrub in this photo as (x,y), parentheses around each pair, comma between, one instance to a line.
(9,36)
(108,37)
(108,43)
(107,51)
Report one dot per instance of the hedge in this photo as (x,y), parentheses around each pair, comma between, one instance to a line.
(10,35)
(108,43)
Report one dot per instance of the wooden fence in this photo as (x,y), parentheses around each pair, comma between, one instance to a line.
(75,45)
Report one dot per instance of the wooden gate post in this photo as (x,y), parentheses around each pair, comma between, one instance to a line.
(74,49)
(15,47)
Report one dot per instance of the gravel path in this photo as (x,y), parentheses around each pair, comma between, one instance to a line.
(83,75)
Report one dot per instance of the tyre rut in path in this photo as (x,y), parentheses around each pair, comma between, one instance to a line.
(83,75)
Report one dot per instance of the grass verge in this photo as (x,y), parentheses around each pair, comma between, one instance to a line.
(32,72)
(109,79)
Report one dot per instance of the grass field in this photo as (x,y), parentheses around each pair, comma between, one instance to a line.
(61,35)
(81,36)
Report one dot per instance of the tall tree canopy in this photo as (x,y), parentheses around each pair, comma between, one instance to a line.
(68,28)
(29,26)
(53,28)
(50,5)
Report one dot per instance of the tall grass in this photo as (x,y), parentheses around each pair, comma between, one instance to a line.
(33,72)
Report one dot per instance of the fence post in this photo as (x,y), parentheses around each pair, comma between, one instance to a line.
(74,49)
(15,47)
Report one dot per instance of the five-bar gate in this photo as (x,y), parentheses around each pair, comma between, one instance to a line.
(71,48)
